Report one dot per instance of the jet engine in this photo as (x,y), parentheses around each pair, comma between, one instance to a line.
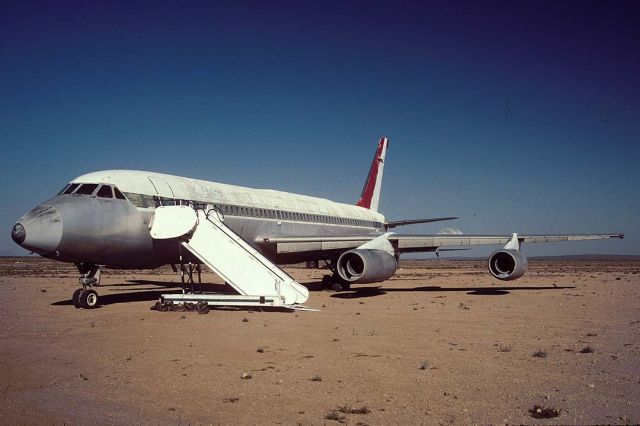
(507,264)
(366,266)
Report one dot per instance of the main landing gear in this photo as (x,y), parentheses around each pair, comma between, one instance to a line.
(86,297)
(334,281)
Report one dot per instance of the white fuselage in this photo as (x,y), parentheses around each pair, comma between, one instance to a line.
(111,231)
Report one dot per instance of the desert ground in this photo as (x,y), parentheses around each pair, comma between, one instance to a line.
(441,343)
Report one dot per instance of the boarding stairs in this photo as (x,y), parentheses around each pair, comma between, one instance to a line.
(205,235)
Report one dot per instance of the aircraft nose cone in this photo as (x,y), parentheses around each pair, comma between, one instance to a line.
(40,230)
(18,234)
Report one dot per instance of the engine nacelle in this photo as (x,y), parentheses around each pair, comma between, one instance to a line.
(507,264)
(366,266)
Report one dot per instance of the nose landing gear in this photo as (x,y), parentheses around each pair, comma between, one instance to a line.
(86,297)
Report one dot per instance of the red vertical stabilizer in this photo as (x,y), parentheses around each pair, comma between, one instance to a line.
(370,197)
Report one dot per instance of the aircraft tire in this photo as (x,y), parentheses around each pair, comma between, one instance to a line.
(89,299)
(76,298)
(341,285)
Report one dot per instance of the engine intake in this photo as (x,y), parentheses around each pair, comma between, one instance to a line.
(366,266)
(507,264)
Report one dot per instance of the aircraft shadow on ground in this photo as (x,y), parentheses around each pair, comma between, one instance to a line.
(314,286)
(474,291)
(124,297)
(205,287)
(128,294)
(112,295)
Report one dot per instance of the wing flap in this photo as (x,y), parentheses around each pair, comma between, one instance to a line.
(298,247)
(315,243)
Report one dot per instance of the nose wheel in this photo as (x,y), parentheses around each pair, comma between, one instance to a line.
(86,297)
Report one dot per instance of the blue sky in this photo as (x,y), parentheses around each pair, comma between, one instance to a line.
(516,116)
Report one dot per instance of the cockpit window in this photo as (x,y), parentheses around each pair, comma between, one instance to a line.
(119,195)
(71,188)
(86,189)
(63,189)
(105,192)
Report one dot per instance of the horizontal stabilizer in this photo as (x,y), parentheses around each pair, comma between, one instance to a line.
(393,224)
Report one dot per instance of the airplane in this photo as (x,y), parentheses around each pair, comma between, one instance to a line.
(107,219)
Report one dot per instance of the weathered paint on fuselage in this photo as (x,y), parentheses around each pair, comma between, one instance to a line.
(115,232)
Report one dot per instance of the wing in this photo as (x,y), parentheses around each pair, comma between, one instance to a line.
(411,243)
(418,243)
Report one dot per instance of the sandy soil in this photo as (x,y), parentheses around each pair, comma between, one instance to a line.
(442,342)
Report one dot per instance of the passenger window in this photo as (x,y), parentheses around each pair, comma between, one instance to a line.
(71,188)
(86,189)
(105,192)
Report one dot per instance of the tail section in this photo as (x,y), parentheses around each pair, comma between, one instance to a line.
(370,197)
